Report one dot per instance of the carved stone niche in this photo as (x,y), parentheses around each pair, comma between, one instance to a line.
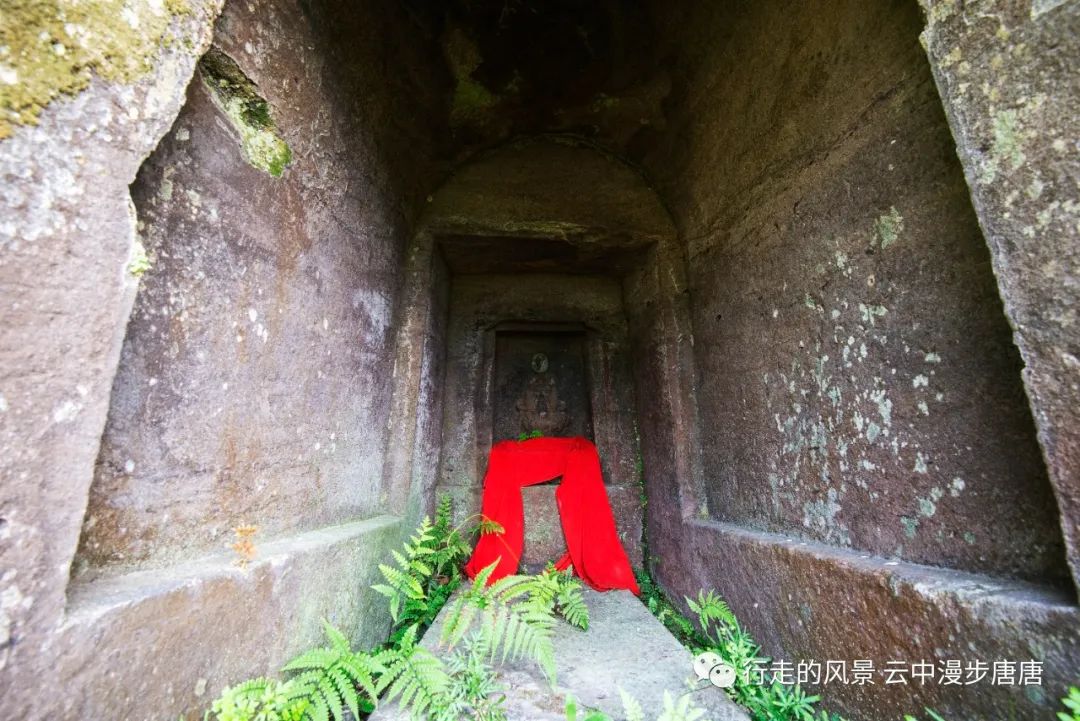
(561,379)
(541,384)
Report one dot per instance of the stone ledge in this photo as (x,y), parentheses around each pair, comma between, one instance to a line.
(92,599)
(136,645)
(800,599)
(926,580)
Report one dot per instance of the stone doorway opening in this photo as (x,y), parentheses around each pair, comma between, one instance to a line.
(744,228)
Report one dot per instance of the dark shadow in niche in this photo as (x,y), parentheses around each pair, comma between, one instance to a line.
(541,384)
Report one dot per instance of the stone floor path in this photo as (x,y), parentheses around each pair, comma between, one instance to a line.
(625,646)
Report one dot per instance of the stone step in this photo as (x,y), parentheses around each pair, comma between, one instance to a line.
(625,647)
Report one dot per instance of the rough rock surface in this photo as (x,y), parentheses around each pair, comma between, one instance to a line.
(853,379)
(625,647)
(807,601)
(1007,76)
(824,237)
(67,235)
(164,643)
(214,423)
(241,274)
(795,331)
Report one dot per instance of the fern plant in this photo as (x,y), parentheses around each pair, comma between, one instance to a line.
(554,591)
(427,570)
(413,676)
(1072,705)
(512,618)
(261,699)
(464,688)
(501,623)
(474,692)
(333,677)
(450,548)
(791,702)
(667,614)
(682,710)
(407,581)
(631,707)
(710,608)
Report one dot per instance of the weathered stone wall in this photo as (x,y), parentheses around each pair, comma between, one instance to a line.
(1007,75)
(215,421)
(67,236)
(252,383)
(826,235)
(857,389)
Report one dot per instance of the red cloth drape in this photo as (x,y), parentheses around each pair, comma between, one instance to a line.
(592,544)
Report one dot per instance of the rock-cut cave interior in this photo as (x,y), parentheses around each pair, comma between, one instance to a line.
(806,274)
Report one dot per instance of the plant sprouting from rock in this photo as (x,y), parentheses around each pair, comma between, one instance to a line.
(245,544)
(262,699)
(238,98)
(140,262)
(1072,706)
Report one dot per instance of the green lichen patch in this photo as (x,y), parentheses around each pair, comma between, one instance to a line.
(471,99)
(1008,142)
(941,10)
(50,48)
(140,262)
(238,98)
(889,227)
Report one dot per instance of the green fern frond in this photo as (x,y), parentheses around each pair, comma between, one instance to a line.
(481,578)
(570,602)
(554,591)
(319,710)
(424,572)
(488,526)
(683,710)
(474,692)
(261,698)
(1072,704)
(337,639)
(444,512)
(333,676)
(511,588)
(414,677)
(315,658)
(507,629)
(458,622)
(710,608)
(631,707)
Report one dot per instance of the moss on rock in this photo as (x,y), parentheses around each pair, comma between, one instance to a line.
(50,48)
(248,112)
(471,99)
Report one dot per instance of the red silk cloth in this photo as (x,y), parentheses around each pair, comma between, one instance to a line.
(593,546)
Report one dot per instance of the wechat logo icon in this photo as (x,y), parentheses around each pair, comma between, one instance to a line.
(710,666)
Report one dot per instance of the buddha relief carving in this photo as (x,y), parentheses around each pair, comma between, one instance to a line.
(539,407)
